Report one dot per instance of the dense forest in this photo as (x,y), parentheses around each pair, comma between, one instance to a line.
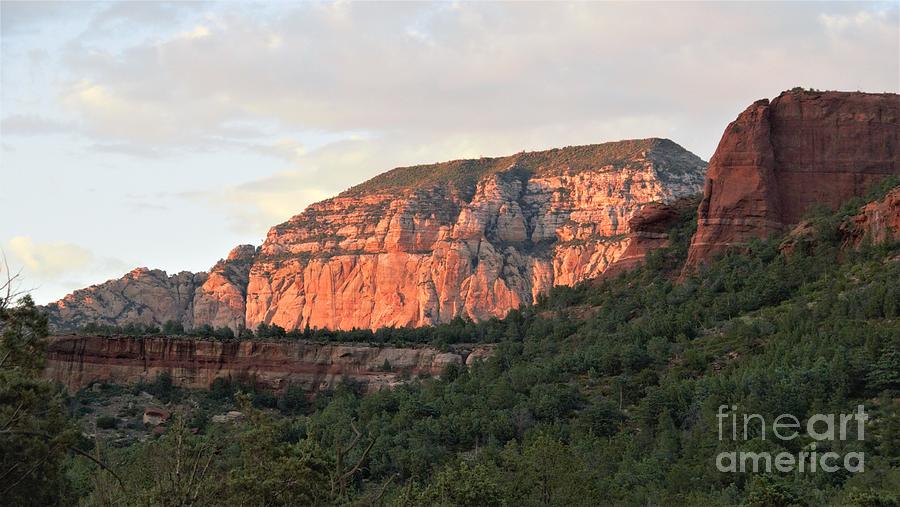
(606,393)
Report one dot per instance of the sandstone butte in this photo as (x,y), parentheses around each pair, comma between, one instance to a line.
(417,245)
(779,159)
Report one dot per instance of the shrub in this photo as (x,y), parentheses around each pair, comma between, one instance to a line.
(107,422)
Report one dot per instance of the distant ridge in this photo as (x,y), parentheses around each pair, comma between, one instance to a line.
(551,162)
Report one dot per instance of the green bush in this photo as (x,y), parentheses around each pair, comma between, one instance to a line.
(107,422)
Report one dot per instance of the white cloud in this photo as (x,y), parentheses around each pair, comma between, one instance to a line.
(447,69)
(840,22)
(255,206)
(50,269)
(284,148)
(19,17)
(48,259)
(198,32)
(129,149)
(110,115)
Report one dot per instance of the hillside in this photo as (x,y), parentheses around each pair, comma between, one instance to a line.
(603,393)
(777,296)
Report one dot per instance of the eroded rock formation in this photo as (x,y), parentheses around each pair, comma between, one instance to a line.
(79,361)
(780,158)
(649,230)
(418,245)
(150,296)
(877,222)
(222,299)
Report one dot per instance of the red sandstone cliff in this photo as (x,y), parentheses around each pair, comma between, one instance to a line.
(77,362)
(418,245)
(778,159)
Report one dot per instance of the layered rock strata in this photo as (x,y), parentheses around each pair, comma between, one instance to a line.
(79,361)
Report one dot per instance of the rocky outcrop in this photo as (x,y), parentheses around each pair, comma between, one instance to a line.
(419,245)
(222,299)
(778,159)
(150,296)
(648,231)
(145,296)
(79,361)
(877,222)
(488,237)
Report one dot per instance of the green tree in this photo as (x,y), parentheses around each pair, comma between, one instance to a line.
(770,491)
(293,400)
(178,469)
(885,373)
(271,472)
(224,333)
(548,472)
(172,328)
(35,432)
(463,484)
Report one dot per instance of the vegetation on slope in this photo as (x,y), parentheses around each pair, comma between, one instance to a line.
(462,175)
(605,393)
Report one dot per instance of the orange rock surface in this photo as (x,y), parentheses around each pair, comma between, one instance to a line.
(418,245)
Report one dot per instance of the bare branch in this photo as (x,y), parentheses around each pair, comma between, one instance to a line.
(384,486)
(360,461)
(26,474)
(8,285)
(15,414)
(9,471)
(5,357)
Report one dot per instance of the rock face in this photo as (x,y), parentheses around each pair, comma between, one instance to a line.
(877,222)
(779,159)
(77,362)
(419,245)
(142,296)
(649,230)
(222,299)
(382,255)
(146,296)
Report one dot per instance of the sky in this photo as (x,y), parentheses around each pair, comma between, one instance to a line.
(163,134)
